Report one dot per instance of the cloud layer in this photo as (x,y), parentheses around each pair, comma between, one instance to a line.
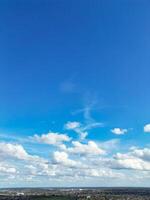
(63,157)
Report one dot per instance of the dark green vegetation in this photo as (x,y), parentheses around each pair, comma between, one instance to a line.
(51,198)
(35,197)
(76,194)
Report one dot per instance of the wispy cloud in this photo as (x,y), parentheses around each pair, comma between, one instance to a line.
(88,124)
(68,86)
(81,129)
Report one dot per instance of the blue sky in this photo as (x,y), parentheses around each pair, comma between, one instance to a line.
(74,79)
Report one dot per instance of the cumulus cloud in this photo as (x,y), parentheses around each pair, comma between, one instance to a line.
(13,150)
(62,158)
(72,159)
(17,151)
(7,169)
(144,154)
(102,173)
(137,159)
(72,162)
(52,138)
(147,128)
(91,148)
(119,131)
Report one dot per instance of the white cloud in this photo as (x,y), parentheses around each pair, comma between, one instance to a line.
(88,124)
(144,154)
(13,150)
(130,163)
(119,131)
(81,129)
(78,128)
(93,160)
(62,158)
(91,148)
(72,125)
(52,138)
(137,159)
(147,128)
(16,151)
(102,173)
(7,169)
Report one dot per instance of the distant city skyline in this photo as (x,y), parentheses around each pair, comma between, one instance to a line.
(74,93)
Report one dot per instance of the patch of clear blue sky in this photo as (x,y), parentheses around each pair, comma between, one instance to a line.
(101,47)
